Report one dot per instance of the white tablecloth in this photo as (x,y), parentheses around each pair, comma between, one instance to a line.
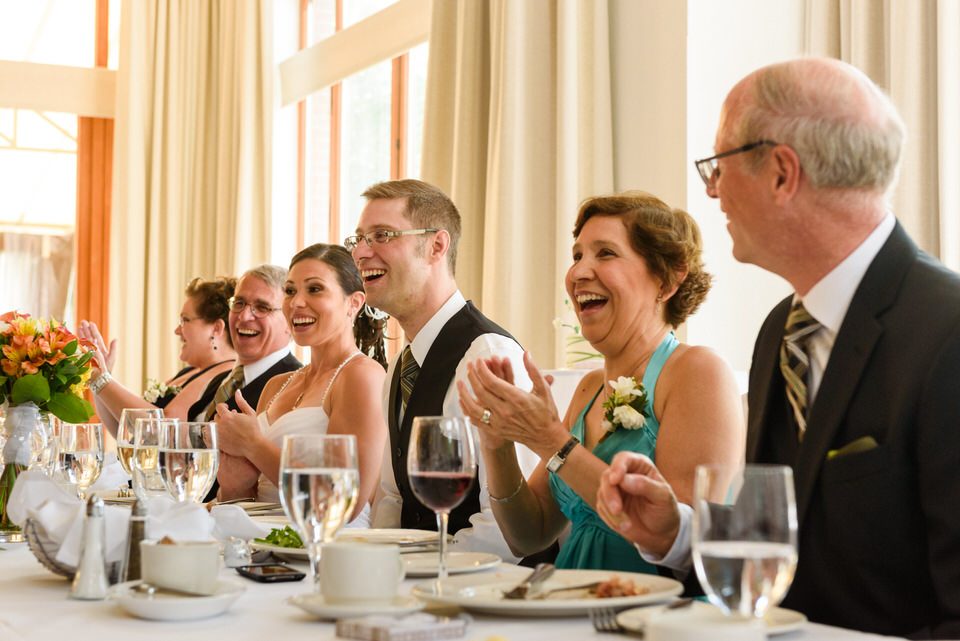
(34,605)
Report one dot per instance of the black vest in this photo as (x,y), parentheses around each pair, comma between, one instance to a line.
(426,399)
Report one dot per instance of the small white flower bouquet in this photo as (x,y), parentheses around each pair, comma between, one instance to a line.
(626,406)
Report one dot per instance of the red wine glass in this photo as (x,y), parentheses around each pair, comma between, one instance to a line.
(441,465)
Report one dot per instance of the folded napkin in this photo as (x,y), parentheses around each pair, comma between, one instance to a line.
(60,513)
(112,476)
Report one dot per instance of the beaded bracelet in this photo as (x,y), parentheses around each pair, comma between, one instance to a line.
(100,382)
(507,498)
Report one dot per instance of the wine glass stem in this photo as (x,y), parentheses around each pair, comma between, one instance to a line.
(442,518)
(313,549)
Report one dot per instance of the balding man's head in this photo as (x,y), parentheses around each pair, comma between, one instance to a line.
(845,131)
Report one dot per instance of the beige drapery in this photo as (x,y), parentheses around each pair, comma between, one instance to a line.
(911,48)
(518,132)
(192,161)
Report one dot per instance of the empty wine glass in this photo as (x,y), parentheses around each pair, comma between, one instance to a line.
(744,536)
(441,465)
(79,455)
(125,433)
(188,458)
(319,485)
(147,481)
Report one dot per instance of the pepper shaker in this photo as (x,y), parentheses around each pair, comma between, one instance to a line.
(135,534)
(90,581)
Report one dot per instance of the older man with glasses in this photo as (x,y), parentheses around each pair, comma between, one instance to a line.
(261,338)
(855,377)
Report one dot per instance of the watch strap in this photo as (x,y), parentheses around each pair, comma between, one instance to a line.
(557,460)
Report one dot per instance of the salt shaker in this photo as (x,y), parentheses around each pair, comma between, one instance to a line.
(135,534)
(90,581)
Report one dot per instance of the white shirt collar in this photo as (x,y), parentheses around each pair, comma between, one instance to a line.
(422,342)
(257,368)
(828,300)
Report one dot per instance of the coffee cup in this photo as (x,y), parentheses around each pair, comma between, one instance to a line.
(360,573)
(186,567)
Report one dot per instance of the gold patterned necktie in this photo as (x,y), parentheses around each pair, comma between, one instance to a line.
(225,392)
(795,361)
(408,376)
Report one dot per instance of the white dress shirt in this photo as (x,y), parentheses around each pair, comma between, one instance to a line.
(484,534)
(827,301)
(257,369)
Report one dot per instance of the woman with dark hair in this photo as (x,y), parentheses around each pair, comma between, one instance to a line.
(205,346)
(337,392)
(637,274)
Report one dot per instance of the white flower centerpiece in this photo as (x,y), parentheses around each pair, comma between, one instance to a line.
(626,406)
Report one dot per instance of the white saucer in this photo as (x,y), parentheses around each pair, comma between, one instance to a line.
(316,604)
(778,620)
(423,564)
(170,607)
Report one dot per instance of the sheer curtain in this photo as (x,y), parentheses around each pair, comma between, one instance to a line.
(518,132)
(192,156)
(911,48)
(36,270)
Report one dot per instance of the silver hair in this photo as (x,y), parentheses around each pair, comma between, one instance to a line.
(827,123)
(272,275)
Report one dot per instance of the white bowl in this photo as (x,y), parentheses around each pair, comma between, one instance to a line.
(188,567)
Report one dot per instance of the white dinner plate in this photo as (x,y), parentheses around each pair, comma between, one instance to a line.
(420,564)
(317,605)
(408,540)
(292,554)
(170,607)
(279,521)
(484,592)
(778,620)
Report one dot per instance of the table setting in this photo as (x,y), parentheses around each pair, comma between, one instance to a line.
(361,581)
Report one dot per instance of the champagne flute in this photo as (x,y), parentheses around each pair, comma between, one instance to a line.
(441,465)
(744,536)
(125,433)
(80,455)
(188,458)
(147,481)
(319,485)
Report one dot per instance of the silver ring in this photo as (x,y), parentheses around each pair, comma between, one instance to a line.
(485,417)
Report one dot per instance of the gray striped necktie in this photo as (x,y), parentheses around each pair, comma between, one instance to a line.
(795,361)
(225,392)
(408,376)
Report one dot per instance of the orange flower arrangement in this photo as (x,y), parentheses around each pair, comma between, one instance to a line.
(44,363)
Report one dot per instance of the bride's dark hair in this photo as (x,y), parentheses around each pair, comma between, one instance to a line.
(369,325)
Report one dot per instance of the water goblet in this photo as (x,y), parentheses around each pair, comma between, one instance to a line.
(319,485)
(125,433)
(744,536)
(147,480)
(188,458)
(79,455)
(441,465)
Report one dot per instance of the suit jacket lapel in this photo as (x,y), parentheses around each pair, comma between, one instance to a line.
(851,352)
(765,379)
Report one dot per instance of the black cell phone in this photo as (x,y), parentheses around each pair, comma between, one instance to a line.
(270,572)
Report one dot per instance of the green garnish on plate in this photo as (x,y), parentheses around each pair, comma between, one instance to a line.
(285,538)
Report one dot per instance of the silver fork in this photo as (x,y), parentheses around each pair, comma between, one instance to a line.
(605,620)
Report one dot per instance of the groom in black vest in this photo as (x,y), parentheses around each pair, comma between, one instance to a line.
(405,249)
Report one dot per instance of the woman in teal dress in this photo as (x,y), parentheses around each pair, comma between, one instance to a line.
(637,273)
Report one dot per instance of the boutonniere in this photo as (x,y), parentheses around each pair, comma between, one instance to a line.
(626,406)
(156,389)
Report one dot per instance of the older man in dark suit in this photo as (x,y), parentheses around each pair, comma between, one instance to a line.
(855,380)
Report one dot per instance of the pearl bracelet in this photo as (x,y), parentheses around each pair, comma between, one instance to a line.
(100,382)
(507,498)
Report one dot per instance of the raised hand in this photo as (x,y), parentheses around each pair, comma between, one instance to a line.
(236,431)
(636,501)
(106,357)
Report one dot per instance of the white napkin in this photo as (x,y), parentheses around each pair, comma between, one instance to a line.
(60,513)
(112,476)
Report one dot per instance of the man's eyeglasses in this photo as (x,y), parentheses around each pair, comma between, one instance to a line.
(709,168)
(381,236)
(258,309)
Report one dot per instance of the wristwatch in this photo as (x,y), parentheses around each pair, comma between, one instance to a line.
(557,460)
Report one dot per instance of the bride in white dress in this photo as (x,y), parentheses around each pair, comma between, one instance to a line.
(338,392)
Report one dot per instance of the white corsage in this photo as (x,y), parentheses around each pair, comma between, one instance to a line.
(626,406)
(156,389)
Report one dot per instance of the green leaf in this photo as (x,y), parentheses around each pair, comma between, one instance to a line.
(71,347)
(67,368)
(32,387)
(69,408)
(83,360)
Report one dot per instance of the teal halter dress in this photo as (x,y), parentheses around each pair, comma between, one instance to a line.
(592,544)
